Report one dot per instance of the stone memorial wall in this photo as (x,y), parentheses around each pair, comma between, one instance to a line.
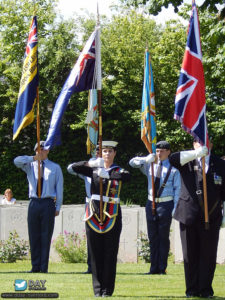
(14,217)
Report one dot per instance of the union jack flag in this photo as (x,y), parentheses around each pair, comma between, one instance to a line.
(81,78)
(190,105)
(32,38)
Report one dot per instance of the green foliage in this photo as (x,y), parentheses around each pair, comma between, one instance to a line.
(71,247)
(124,38)
(13,248)
(155,6)
(144,248)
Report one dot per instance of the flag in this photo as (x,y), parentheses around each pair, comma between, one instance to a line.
(190,105)
(24,114)
(92,122)
(81,78)
(148,120)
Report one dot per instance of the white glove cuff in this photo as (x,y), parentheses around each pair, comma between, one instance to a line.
(97,163)
(186,156)
(150,158)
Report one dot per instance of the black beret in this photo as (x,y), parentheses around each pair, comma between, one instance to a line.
(163,145)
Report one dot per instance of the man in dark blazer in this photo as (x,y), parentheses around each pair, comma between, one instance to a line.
(199,244)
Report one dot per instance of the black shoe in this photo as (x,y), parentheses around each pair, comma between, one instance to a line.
(43,271)
(151,273)
(105,295)
(206,296)
(192,295)
(162,272)
(34,271)
(98,295)
(87,272)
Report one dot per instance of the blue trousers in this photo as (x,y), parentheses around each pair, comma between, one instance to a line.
(41,220)
(158,233)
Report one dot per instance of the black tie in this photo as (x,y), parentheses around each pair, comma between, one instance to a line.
(42,164)
(157,179)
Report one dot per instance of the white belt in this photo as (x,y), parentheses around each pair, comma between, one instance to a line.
(105,198)
(162,199)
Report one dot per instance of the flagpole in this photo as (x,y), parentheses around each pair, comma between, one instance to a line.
(38,128)
(150,143)
(206,212)
(38,142)
(99,93)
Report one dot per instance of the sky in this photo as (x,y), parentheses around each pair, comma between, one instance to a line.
(68,7)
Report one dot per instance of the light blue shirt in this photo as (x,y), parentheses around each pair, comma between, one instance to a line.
(52,178)
(172,187)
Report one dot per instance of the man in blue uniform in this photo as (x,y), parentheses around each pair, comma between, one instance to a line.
(167,186)
(41,211)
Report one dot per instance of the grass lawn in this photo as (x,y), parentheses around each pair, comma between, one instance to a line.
(69,281)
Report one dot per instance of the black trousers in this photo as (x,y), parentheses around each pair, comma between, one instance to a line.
(199,251)
(41,220)
(104,249)
(88,259)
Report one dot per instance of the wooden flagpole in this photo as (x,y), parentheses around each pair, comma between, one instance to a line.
(206,212)
(150,143)
(38,128)
(100,153)
(38,142)
(99,93)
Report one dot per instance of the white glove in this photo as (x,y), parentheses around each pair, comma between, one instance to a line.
(103,173)
(223,221)
(97,163)
(201,151)
(139,161)
(150,158)
(186,156)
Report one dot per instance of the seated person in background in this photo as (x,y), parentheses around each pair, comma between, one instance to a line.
(8,197)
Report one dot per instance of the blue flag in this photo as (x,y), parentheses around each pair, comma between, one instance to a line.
(24,114)
(148,121)
(80,79)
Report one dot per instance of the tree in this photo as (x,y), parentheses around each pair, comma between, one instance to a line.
(124,39)
(58,51)
(155,6)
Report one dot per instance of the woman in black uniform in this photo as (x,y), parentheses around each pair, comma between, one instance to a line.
(103,238)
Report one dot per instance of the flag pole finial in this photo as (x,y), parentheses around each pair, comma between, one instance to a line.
(98,18)
(34,3)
